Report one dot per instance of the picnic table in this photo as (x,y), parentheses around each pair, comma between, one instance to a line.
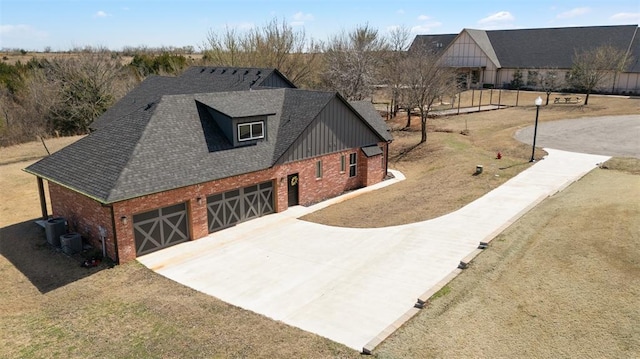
(567,99)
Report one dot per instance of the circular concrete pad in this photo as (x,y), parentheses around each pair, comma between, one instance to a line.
(609,135)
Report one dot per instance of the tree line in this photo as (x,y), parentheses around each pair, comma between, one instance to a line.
(62,95)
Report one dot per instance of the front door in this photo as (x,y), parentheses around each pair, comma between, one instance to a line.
(292,189)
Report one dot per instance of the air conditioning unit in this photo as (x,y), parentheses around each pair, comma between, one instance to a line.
(71,243)
(54,228)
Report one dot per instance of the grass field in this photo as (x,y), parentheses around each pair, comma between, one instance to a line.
(440,173)
(561,282)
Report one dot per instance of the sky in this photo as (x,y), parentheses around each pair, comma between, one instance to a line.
(61,25)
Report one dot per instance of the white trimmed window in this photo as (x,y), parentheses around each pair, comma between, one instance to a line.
(319,169)
(250,131)
(353,164)
(343,164)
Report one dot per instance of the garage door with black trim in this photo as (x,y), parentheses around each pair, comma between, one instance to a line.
(160,228)
(230,208)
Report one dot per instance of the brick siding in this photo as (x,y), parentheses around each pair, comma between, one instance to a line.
(87,214)
(84,215)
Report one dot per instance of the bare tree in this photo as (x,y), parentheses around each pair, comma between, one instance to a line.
(425,80)
(593,68)
(392,72)
(25,111)
(353,61)
(224,49)
(86,86)
(275,45)
(399,38)
(549,81)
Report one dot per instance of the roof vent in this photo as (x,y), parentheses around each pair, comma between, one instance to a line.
(149,105)
(212,71)
(202,70)
(223,71)
(234,72)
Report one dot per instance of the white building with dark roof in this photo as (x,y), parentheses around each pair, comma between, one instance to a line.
(490,58)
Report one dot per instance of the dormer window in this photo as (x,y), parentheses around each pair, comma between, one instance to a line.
(250,131)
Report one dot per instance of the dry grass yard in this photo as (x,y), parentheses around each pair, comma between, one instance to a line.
(440,173)
(561,282)
(13,57)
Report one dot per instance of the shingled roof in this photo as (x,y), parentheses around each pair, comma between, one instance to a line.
(435,43)
(197,79)
(545,47)
(369,114)
(174,142)
(555,47)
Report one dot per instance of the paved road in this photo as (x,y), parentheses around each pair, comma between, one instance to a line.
(610,135)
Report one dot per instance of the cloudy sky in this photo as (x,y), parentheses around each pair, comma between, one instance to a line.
(64,24)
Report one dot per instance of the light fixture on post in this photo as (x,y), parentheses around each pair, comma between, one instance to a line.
(538,102)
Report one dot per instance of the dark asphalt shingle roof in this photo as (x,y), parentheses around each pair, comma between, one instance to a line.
(371,151)
(194,80)
(373,118)
(175,143)
(174,151)
(546,47)
(435,43)
(94,164)
(239,104)
(555,47)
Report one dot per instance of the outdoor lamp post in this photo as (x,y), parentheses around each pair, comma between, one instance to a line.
(538,102)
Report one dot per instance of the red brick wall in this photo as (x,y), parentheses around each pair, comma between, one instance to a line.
(84,215)
(311,190)
(375,167)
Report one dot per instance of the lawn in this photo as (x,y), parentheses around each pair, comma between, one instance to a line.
(440,173)
(561,282)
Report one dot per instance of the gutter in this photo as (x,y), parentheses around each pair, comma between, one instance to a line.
(67,187)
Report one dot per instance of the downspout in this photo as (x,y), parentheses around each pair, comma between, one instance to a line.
(115,235)
(386,159)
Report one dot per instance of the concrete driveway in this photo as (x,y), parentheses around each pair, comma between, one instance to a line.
(354,286)
(608,135)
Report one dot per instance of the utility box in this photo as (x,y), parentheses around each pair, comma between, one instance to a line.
(71,243)
(54,228)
